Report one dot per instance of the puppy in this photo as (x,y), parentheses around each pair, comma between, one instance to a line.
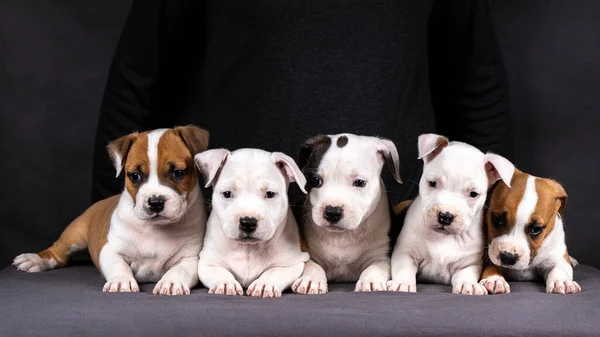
(442,238)
(252,238)
(526,239)
(347,212)
(153,230)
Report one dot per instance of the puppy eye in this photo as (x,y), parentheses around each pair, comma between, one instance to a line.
(135,177)
(473,194)
(316,181)
(270,195)
(227,194)
(178,174)
(359,183)
(432,184)
(535,230)
(498,220)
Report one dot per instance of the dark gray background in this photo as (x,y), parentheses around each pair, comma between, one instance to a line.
(55,57)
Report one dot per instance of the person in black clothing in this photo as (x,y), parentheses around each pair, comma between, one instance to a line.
(270,74)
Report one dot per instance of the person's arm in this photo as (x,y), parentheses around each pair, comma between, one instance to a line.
(157,44)
(469,86)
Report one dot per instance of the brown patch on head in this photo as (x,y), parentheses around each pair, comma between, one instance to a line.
(504,201)
(137,164)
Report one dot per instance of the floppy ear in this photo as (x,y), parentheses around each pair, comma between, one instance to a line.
(430,145)
(315,146)
(290,169)
(388,150)
(498,167)
(118,150)
(561,197)
(195,138)
(210,163)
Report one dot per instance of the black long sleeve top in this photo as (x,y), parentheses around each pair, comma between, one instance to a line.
(270,74)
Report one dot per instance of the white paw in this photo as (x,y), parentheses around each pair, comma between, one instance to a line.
(309,285)
(33,263)
(170,287)
(405,287)
(562,287)
(231,288)
(367,286)
(123,284)
(495,284)
(470,289)
(260,288)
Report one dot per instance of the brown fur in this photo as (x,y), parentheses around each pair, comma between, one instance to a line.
(490,270)
(402,207)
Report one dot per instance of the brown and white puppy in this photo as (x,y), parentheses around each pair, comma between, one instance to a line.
(152,231)
(526,236)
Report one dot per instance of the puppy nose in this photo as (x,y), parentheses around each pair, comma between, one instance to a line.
(445,218)
(248,224)
(156,203)
(508,258)
(333,214)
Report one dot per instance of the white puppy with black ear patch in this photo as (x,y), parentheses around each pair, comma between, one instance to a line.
(348,218)
(442,239)
(252,239)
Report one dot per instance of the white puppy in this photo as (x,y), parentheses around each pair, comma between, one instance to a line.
(252,239)
(442,239)
(346,228)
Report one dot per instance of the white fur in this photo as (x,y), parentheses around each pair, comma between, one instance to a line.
(428,251)
(549,263)
(33,263)
(356,248)
(268,260)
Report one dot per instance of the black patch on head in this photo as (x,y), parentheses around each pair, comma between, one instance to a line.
(311,154)
(342,141)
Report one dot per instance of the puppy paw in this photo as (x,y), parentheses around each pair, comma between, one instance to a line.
(562,287)
(33,263)
(167,288)
(404,287)
(308,285)
(231,288)
(262,289)
(123,284)
(470,289)
(495,284)
(367,286)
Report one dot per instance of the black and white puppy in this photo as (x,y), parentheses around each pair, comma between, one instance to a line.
(347,216)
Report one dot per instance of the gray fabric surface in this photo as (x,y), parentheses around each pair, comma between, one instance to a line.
(69,302)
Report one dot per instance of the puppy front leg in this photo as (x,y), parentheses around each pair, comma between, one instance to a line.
(218,280)
(465,281)
(312,281)
(118,274)
(374,277)
(559,279)
(274,281)
(179,279)
(493,281)
(404,273)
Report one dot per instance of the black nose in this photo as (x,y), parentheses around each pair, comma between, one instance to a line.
(333,214)
(445,218)
(156,203)
(248,224)
(508,258)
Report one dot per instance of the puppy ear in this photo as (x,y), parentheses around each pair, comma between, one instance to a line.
(388,150)
(290,169)
(118,150)
(498,167)
(195,138)
(210,163)
(561,198)
(430,145)
(313,147)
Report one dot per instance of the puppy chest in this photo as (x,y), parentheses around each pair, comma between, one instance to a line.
(247,266)
(340,266)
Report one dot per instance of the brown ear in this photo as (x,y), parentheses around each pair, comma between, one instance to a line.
(561,198)
(118,150)
(316,145)
(195,138)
